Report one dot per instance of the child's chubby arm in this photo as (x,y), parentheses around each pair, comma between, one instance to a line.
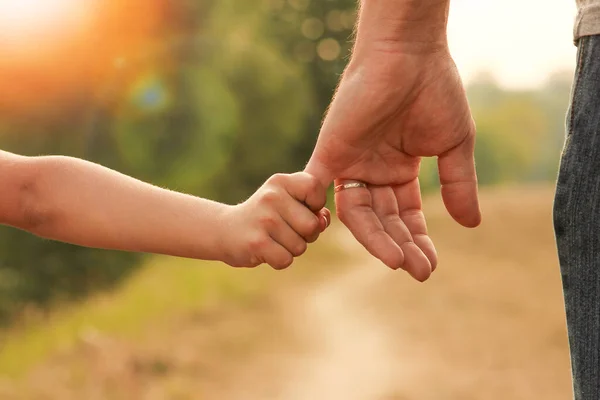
(79,202)
(277,222)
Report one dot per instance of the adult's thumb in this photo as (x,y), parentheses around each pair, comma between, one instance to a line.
(459,183)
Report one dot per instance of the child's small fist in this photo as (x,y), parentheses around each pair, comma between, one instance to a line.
(278,221)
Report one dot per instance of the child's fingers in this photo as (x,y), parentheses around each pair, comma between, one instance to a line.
(324,219)
(277,256)
(305,188)
(302,220)
(283,234)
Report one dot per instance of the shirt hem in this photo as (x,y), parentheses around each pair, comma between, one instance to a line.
(587,22)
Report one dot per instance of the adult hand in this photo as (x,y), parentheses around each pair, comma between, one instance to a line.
(391,109)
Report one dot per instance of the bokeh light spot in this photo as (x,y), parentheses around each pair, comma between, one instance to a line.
(299,5)
(348,19)
(150,94)
(334,21)
(329,49)
(313,28)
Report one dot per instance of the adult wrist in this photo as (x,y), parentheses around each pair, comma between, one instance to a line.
(402,26)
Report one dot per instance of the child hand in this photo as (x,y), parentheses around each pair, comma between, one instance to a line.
(277,222)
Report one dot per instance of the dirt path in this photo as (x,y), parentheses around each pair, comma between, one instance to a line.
(350,357)
(489,326)
(342,351)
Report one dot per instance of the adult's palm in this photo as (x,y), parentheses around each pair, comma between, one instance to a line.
(389,111)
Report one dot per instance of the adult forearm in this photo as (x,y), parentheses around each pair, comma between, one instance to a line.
(85,204)
(402,25)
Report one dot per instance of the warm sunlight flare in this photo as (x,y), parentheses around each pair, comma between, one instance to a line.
(24,23)
(54,51)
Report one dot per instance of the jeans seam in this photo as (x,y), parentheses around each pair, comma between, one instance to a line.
(576,83)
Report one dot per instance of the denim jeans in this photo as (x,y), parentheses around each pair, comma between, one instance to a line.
(577,221)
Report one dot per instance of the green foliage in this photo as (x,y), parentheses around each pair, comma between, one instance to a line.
(273,105)
(231,92)
(35,272)
(317,36)
(520,133)
(213,110)
(164,287)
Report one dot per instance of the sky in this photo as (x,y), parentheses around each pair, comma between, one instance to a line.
(521,42)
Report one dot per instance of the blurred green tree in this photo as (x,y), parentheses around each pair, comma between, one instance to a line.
(519,133)
(212,109)
(316,35)
(213,100)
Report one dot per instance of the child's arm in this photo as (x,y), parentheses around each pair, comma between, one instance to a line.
(79,202)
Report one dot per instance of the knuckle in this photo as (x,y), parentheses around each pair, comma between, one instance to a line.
(313,238)
(276,179)
(257,244)
(249,260)
(300,249)
(311,226)
(267,221)
(253,262)
(270,196)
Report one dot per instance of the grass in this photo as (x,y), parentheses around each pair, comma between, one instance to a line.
(489,324)
(163,288)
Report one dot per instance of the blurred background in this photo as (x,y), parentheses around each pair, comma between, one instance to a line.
(212,97)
